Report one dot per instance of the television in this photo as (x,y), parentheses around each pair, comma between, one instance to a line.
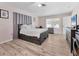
(74,21)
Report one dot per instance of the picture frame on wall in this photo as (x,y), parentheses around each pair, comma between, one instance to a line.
(4,14)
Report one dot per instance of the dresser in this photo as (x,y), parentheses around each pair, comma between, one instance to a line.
(70,34)
(50,30)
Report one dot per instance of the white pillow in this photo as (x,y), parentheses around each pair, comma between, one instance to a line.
(27,26)
(23,26)
(30,27)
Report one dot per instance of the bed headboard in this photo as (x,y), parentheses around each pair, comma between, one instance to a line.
(19,26)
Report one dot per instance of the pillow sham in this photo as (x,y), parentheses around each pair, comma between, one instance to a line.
(27,26)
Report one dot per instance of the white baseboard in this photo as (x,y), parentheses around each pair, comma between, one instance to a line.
(6,41)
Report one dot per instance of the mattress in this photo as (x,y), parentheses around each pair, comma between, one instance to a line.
(32,32)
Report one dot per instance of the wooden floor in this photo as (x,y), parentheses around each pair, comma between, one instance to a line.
(55,45)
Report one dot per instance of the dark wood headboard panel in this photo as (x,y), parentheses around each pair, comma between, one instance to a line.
(23,19)
(19,27)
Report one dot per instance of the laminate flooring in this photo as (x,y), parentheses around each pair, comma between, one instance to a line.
(54,45)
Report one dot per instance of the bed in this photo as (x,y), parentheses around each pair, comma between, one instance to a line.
(34,35)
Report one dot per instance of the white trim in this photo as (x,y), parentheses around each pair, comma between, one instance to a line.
(6,41)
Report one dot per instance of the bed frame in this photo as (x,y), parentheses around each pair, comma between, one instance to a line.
(39,41)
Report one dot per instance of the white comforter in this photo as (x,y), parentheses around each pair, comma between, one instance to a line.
(32,32)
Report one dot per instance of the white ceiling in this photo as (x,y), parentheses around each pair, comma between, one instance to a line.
(51,8)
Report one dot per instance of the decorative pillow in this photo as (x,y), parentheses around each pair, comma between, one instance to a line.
(27,26)
(24,26)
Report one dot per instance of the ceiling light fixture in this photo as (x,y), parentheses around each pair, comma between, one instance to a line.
(41,5)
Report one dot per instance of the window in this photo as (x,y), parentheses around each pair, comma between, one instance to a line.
(56,26)
(52,23)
